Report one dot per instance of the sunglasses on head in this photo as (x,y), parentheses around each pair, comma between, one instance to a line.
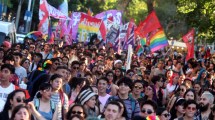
(166,115)
(20,100)
(191,108)
(76,112)
(146,111)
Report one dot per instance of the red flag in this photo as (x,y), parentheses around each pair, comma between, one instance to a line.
(102,30)
(149,24)
(189,41)
(43,16)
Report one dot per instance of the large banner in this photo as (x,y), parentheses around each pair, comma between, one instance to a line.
(55,13)
(88,26)
(115,16)
(73,24)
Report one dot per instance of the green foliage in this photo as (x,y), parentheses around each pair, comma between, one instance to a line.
(201,16)
(55,3)
(137,10)
(186,6)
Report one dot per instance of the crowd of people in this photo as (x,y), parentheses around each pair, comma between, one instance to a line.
(42,81)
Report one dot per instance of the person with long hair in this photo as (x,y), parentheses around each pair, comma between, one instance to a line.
(16,98)
(43,103)
(88,99)
(76,85)
(111,88)
(83,69)
(76,109)
(190,94)
(58,96)
(198,91)
(163,114)
(202,79)
(118,74)
(25,63)
(178,94)
(123,112)
(21,112)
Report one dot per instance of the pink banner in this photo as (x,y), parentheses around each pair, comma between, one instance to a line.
(43,17)
(53,12)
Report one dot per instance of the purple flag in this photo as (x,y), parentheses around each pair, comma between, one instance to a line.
(130,35)
(116,14)
(73,24)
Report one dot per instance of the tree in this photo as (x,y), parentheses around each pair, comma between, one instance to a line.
(200,15)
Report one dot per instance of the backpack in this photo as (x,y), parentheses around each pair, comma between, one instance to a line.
(31,81)
(37,105)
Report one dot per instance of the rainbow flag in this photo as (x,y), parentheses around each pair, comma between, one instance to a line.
(158,40)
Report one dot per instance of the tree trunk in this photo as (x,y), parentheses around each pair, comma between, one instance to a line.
(150,5)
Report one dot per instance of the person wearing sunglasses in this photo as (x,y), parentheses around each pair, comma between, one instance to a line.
(163,114)
(148,108)
(75,68)
(55,64)
(43,103)
(179,94)
(76,109)
(16,98)
(137,90)
(190,108)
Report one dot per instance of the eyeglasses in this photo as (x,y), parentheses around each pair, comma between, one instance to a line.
(166,115)
(191,108)
(76,112)
(138,87)
(75,67)
(20,100)
(148,111)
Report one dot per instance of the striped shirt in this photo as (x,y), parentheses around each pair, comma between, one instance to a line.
(56,99)
(131,110)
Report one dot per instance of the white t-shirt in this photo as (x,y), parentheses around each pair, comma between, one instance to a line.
(34,67)
(104,99)
(21,73)
(47,56)
(171,88)
(5,91)
(2,102)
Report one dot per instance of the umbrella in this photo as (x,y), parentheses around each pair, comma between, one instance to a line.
(34,35)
